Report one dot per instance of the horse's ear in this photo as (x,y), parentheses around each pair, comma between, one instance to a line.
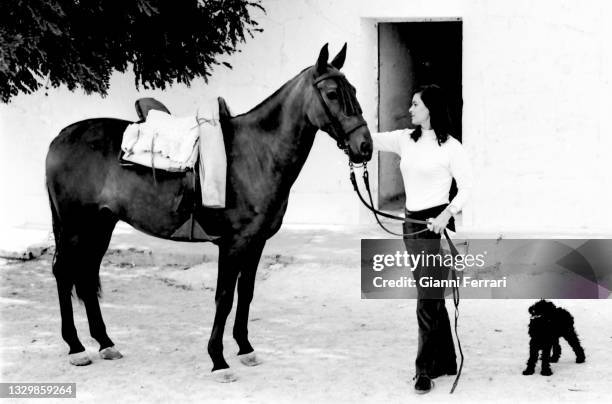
(338,61)
(321,66)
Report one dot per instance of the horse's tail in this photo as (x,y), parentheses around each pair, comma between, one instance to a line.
(57,228)
(72,258)
(62,272)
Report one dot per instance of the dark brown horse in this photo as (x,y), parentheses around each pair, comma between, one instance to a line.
(90,191)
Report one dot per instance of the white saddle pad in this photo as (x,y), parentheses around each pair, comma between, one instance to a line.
(170,143)
(163,141)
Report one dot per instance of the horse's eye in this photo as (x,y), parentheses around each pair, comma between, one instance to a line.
(332,95)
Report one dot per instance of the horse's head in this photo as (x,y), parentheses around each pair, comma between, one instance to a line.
(334,107)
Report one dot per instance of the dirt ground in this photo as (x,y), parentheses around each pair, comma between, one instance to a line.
(320,342)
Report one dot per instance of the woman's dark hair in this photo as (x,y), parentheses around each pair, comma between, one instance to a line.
(435,100)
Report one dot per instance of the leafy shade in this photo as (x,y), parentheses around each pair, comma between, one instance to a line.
(81,42)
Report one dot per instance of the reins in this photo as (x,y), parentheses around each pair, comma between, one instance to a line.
(454,251)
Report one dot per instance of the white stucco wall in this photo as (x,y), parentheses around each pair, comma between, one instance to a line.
(536,81)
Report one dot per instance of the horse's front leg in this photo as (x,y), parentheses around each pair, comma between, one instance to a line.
(246,286)
(233,257)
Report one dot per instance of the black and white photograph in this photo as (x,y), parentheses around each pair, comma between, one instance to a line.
(305,201)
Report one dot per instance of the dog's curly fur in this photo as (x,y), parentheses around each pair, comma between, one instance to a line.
(549,323)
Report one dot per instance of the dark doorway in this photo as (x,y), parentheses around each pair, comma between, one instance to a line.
(411,54)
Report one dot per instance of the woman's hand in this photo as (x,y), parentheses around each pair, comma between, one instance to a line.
(438,224)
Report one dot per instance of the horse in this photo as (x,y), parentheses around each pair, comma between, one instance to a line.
(90,191)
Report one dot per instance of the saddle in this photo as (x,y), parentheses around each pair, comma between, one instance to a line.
(144,105)
(191,230)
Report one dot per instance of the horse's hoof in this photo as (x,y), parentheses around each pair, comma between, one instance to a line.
(546,372)
(110,353)
(249,359)
(79,359)
(224,376)
(580,359)
(528,372)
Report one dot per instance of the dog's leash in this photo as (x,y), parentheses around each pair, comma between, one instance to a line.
(454,251)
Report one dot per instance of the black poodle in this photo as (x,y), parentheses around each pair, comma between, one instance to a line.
(549,323)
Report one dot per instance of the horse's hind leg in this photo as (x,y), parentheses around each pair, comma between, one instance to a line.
(77,353)
(80,246)
(64,265)
(94,243)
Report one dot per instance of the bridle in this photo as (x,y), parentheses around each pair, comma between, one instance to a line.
(340,135)
(342,144)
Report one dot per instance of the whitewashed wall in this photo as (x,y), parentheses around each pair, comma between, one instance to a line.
(536,78)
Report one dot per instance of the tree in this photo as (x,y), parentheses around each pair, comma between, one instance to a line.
(79,43)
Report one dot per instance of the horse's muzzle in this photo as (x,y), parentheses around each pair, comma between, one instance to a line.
(360,146)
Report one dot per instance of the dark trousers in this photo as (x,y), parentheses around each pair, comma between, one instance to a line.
(436,350)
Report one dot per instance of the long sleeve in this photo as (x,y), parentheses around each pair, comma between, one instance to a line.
(389,141)
(461,170)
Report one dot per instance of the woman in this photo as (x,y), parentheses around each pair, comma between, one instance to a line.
(430,159)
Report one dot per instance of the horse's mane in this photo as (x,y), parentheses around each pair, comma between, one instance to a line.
(348,100)
(274,94)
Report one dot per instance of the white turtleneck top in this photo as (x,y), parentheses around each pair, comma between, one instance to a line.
(428,168)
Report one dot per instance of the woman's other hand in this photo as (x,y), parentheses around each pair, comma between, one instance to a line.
(438,224)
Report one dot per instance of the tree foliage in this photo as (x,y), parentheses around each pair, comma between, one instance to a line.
(81,42)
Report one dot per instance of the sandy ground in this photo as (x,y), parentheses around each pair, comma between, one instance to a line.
(319,341)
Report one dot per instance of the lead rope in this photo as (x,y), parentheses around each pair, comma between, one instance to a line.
(454,251)
(455,289)
(367,184)
(370,206)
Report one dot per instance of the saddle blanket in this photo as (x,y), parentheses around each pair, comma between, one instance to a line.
(163,141)
(170,143)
